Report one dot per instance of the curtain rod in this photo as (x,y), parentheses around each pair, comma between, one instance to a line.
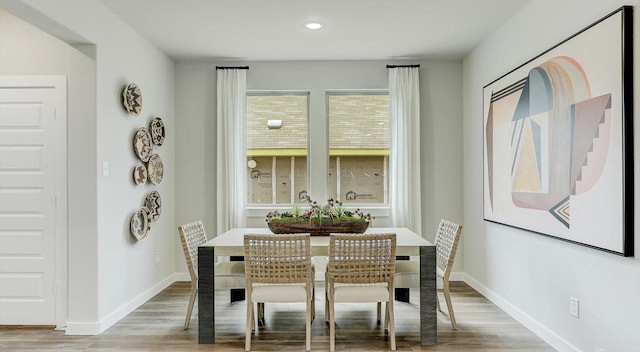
(232,67)
(398,66)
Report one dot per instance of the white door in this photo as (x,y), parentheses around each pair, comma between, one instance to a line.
(32,200)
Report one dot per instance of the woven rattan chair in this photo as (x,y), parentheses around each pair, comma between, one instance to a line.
(278,269)
(447,239)
(228,274)
(361,269)
(446,242)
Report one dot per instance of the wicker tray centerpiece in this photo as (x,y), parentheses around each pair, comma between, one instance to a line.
(319,220)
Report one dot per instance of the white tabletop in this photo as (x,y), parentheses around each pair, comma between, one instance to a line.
(232,241)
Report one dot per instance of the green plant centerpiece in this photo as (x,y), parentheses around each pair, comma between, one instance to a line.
(319,219)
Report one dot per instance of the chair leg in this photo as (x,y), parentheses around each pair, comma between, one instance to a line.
(192,299)
(326,307)
(249,326)
(255,318)
(387,318)
(313,303)
(261,320)
(438,301)
(379,313)
(308,322)
(332,327)
(447,297)
(390,322)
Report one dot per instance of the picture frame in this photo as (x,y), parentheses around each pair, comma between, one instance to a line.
(558,140)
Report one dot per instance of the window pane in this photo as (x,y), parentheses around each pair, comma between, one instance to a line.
(358,146)
(276,147)
(361,179)
(259,187)
(300,189)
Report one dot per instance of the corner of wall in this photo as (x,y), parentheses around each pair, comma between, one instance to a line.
(98,327)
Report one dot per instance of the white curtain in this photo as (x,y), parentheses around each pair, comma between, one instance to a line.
(404,168)
(231,151)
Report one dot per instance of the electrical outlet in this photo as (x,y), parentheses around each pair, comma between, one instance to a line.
(157,260)
(574,307)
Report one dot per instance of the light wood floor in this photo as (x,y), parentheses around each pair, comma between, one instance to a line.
(157,326)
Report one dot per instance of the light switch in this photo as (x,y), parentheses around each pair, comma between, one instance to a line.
(574,307)
(105,168)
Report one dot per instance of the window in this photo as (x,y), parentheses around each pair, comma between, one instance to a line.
(277,147)
(358,146)
(356,131)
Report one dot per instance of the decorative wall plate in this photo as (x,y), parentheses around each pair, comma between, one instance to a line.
(140,223)
(155,169)
(132,99)
(140,174)
(142,144)
(153,203)
(157,131)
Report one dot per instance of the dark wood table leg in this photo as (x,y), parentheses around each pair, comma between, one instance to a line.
(206,296)
(428,310)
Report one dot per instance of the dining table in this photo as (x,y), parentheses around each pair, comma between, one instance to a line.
(231,243)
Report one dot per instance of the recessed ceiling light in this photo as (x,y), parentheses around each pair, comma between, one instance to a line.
(313,25)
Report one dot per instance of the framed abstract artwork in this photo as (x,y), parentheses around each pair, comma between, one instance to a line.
(558,140)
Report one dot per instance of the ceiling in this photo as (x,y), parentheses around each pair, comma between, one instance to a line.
(265,30)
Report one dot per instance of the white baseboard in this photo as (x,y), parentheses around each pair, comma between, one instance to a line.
(523,318)
(457,276)
(82,328)
(184,276)
(95,328)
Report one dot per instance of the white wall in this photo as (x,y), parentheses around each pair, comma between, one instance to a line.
(120,272)
(441,107)
(533,276)
(23,48)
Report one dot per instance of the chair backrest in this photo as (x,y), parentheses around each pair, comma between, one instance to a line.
(446,242)
(362,258)
(192,235)
(277,258)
